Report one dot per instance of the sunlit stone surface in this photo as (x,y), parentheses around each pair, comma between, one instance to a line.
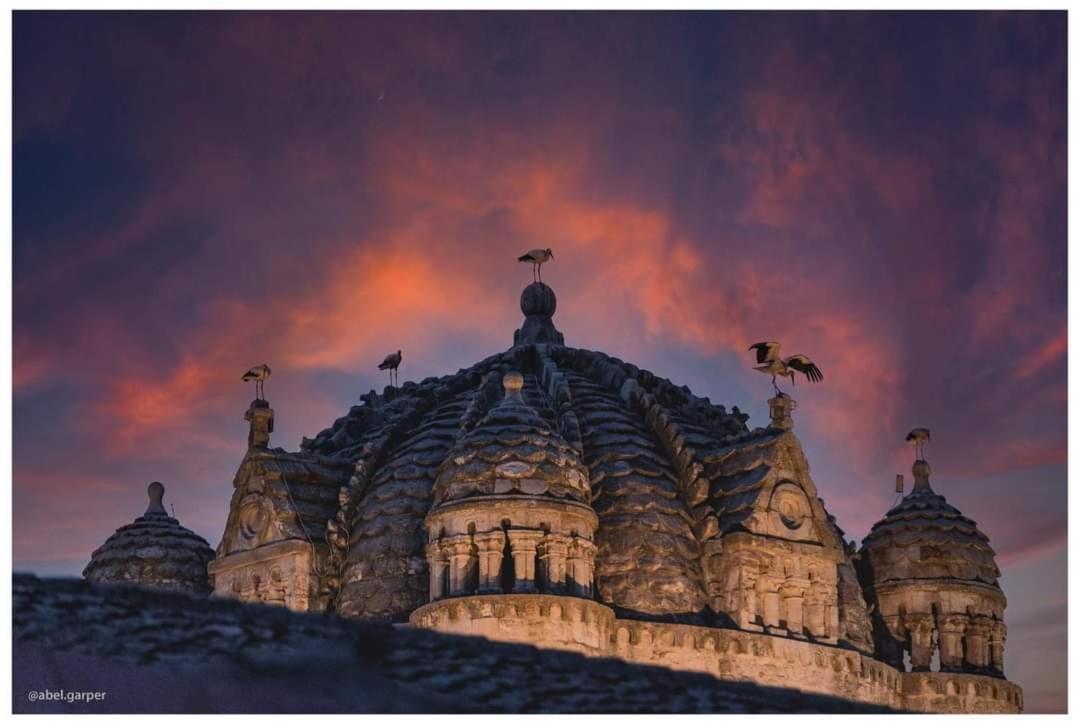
(563,498)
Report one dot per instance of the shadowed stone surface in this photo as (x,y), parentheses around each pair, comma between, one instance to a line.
(157,652)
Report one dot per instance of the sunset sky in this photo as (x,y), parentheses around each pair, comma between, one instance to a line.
(198,193)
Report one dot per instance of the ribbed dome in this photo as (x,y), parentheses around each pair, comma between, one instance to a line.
(153,551)
(512,450)
(925,537)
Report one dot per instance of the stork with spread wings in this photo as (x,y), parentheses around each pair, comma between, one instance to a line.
(769,361)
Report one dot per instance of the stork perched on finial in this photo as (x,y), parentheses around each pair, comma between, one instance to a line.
(537,258)
(259,374)
(769,361)
(391,363)
(919,437)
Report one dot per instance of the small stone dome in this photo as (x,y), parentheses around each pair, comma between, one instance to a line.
(512,451)
(925,537)
(153,551)
(538,299)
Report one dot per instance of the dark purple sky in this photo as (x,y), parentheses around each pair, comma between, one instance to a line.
(197,193)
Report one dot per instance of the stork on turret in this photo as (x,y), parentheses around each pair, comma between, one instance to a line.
(919,438)
(259,374)
(537,258)
(769,361)
(391,363)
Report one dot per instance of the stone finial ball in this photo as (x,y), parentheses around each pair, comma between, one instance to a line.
(156,491)
(538,299)
(513,381)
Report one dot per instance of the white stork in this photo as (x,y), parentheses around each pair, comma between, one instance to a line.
(769,361)
(918,437)
(391,363)
(537,258)
(259,374)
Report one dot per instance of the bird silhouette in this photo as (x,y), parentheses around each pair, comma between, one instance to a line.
(259,374)
(391,363)
(537,258)
(918,437)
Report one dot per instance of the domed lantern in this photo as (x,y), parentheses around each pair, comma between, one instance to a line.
(927,569)
(510,510)
(154,551)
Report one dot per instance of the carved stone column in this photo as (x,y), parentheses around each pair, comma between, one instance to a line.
(554,549)
(792,592)
(523,544)
(747,614)
(832,618)
(437,562)
(891,637)
(580,563)
(975,642)
(920,627)
(951,629)
(814,609)
(997,647)
(489,552)
(770,602)
(459,548)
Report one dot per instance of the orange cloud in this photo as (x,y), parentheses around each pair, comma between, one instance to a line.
(1048,354)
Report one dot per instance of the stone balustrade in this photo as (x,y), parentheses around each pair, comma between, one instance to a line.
(588,627)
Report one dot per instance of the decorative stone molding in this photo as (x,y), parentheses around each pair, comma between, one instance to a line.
(959,693)
(545,621)
(282,573)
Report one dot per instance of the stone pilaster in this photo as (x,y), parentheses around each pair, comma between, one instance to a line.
(997,647)
(920,628)
(489,548)
(770,603)
(747,614)
(581,563)
(460,552)
(976,655)
(437,563)
(554,550)
(792,592)
(951,629)
(523,544)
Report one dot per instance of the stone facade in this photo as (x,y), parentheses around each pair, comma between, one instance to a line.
(564,498)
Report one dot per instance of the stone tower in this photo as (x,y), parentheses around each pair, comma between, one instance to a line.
(510,520)
(931,576)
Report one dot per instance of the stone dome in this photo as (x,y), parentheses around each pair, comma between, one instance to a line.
(538,299)
(512,450)
(153,551)
(924,537)
(639,442)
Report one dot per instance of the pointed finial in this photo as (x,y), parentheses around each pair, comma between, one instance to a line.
(156,492)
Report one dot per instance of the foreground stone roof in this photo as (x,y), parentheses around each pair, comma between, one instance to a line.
(155,652)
